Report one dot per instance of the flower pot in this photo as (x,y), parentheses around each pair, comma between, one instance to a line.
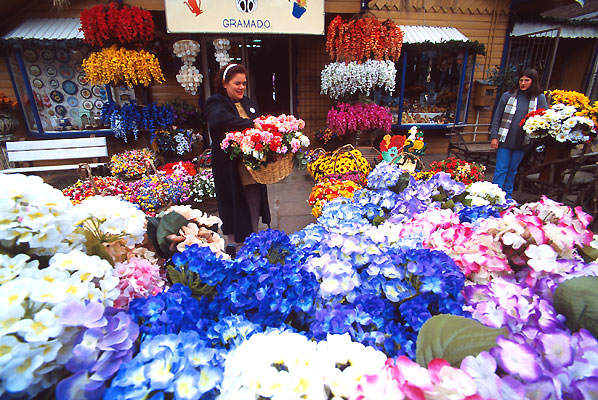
(8,124)
(298,10)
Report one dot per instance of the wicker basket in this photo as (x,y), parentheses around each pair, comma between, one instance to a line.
(244,175)
(275,171)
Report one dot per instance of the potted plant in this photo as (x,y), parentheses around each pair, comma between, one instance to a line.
(8,121)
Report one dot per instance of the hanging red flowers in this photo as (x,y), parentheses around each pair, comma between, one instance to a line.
(114,22)
(363,39)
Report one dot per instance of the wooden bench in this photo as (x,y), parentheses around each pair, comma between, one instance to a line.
(88,150)
(471,151)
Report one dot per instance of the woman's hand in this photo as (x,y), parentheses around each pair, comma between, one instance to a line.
(494,143)
(257,125)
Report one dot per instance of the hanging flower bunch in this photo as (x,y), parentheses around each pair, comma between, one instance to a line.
(259,147)
(106,185)
(459,170)
(363,39)
(340,162)
(344,118)
(559,123)
(131,118)
(122,66)
(328,189)
(106,23)
(341,79)
(131,163)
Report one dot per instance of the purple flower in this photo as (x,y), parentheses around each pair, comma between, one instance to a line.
(586,389)
(90,315)
(517,359)
(557,349)
(543,388)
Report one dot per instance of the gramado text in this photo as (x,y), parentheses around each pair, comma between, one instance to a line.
(246,23)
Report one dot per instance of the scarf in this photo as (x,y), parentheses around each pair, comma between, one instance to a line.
(507,116)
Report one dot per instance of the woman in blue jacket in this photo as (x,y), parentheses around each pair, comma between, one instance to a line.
(229,110)
(507,134)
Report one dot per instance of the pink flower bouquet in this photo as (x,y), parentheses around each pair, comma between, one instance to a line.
(344,118)
(276,137)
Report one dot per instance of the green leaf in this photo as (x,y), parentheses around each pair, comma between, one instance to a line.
(401,184)
(577,300)
(95,247)
(170,224)
(588,253)
(453,338)
(448,204)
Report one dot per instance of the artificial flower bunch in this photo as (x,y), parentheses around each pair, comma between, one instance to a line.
(340,162)
(328,189)
(174,141)
(204,160)
(152,192)
(131,163)
(559,123)
(363,39)
(326,135)
(276,137)
(344,118)
(112,66)
(203,186)
(184,113)
(341,80)
(105,23)
(570,98)
(181,175)
(105,185)
(131,118)
(459,170)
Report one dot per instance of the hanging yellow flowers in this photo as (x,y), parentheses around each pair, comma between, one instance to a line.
(122,66)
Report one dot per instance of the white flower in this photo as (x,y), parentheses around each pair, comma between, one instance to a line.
(11,267)
(341,79)
(18,373)
(34,213)
(43,326)
(10,346)
(116,217)
(542,257)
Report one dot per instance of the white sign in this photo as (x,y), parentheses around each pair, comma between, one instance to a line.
(245,16)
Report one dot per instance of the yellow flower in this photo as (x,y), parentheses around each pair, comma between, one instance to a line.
(122,66)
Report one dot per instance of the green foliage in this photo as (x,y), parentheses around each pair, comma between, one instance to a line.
(577,300)
(192,280)
(401,184)
(453,338)
(170,224)
(505,78)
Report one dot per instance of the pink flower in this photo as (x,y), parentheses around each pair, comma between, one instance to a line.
(138,278)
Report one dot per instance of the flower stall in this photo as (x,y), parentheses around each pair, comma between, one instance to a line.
(403,288)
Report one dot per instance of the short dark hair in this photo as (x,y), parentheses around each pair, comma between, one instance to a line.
(219,79)
(535,89)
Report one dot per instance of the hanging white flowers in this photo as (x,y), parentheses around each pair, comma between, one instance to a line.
(189,76)
(341,79)
(221,53)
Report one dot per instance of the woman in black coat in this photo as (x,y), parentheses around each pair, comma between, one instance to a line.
(239,206)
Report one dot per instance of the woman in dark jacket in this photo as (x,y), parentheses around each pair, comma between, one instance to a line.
(507,134)
(229,110)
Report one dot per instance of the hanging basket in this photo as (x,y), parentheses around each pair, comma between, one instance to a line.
(275,171)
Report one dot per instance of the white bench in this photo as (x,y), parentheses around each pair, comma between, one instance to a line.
(79,149)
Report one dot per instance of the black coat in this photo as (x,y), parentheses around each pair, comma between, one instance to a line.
(223,117)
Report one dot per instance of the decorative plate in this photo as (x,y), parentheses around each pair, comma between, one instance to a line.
(82,79)
(72,101)
(51,70)
(85,93)
(79,68)
(62,55)
(76,55)
(74,113)
(54,84)
(99,104)
(46,55)
(34,70)
(30,55)
(96,90)
(69,87)
(38,83)
(88,105)
(66,72)
(60,110)
(56,96)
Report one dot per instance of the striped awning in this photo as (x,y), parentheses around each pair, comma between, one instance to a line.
(46,29)
(434,34)
(549,30)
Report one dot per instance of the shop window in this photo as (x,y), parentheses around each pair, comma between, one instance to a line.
(55,94)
